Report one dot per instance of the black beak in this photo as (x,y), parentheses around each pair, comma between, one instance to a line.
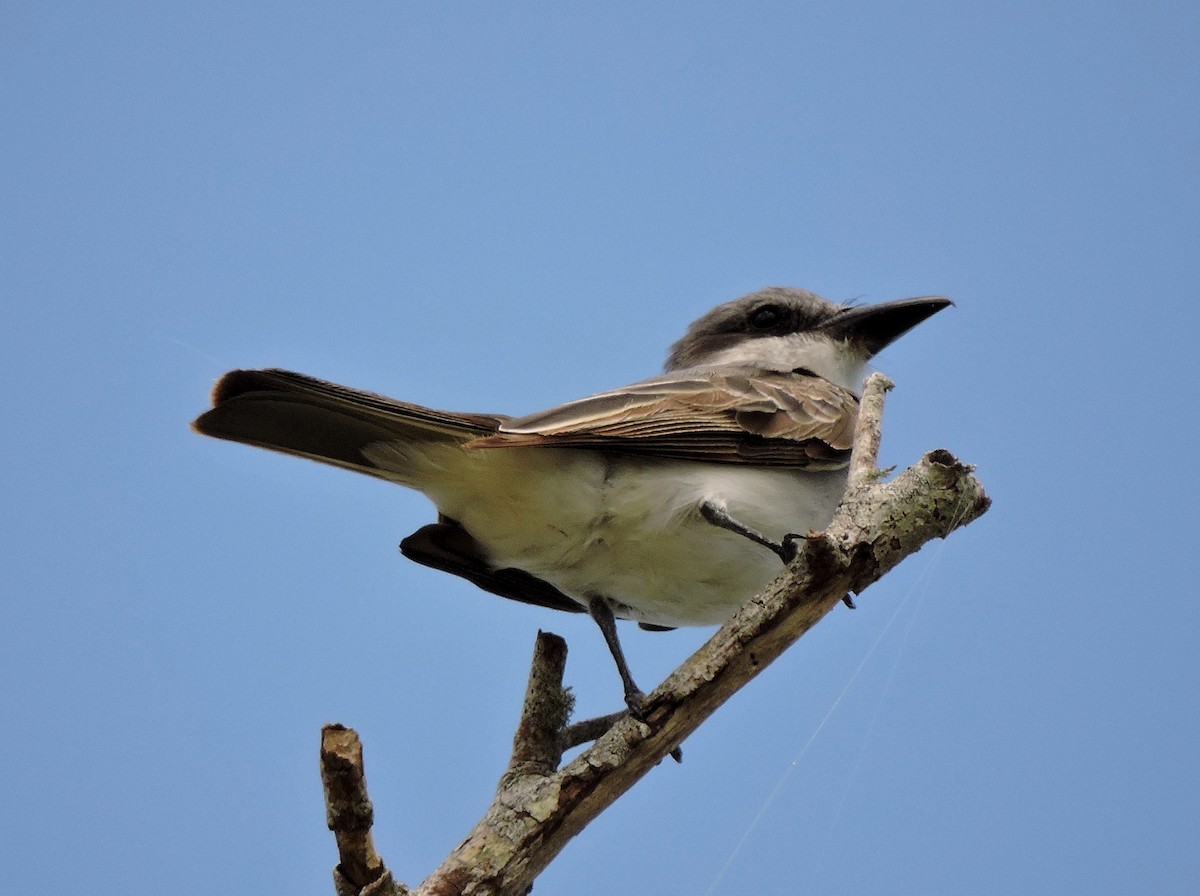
(872,327)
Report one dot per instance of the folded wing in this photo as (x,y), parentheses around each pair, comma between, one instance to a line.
(726,415)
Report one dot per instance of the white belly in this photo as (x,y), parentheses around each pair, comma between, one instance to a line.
(630,529)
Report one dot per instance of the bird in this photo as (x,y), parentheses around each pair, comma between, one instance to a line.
(668,502)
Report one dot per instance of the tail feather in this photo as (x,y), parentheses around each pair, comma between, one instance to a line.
(307,417)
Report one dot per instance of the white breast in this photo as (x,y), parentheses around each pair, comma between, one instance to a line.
(630,529)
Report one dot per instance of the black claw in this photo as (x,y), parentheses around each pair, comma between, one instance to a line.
(636,701)
(790,549)
(849,601)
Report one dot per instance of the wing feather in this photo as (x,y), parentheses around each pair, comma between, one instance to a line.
(729,415)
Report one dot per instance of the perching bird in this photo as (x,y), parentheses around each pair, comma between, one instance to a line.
(668,502)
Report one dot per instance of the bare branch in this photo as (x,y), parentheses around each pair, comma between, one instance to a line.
(867,431)
(589,729)
(348,812)
(537,745)
(538,807)
(877,525)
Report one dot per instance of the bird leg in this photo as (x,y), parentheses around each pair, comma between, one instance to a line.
(787,549)
(600,610)
(719,517)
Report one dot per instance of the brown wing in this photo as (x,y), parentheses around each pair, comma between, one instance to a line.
(728,415)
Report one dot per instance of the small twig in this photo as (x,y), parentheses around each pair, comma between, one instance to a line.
(868,430)
(589,729)
(348,812)
(537,743)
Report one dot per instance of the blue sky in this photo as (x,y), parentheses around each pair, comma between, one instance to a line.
(501,208)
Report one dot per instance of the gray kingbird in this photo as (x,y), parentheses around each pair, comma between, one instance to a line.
(669,502)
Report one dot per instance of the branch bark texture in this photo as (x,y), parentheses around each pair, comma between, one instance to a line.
(349,814)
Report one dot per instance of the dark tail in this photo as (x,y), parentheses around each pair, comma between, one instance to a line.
(307,417)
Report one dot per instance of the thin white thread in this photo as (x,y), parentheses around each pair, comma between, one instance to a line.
(922,582)
(819,859)
(960,512)
(796,760)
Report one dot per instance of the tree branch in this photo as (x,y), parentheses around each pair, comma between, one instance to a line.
(349,814)
(537,745)
(538,807)
(868,431)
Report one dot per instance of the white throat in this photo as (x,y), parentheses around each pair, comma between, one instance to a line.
(833,360)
